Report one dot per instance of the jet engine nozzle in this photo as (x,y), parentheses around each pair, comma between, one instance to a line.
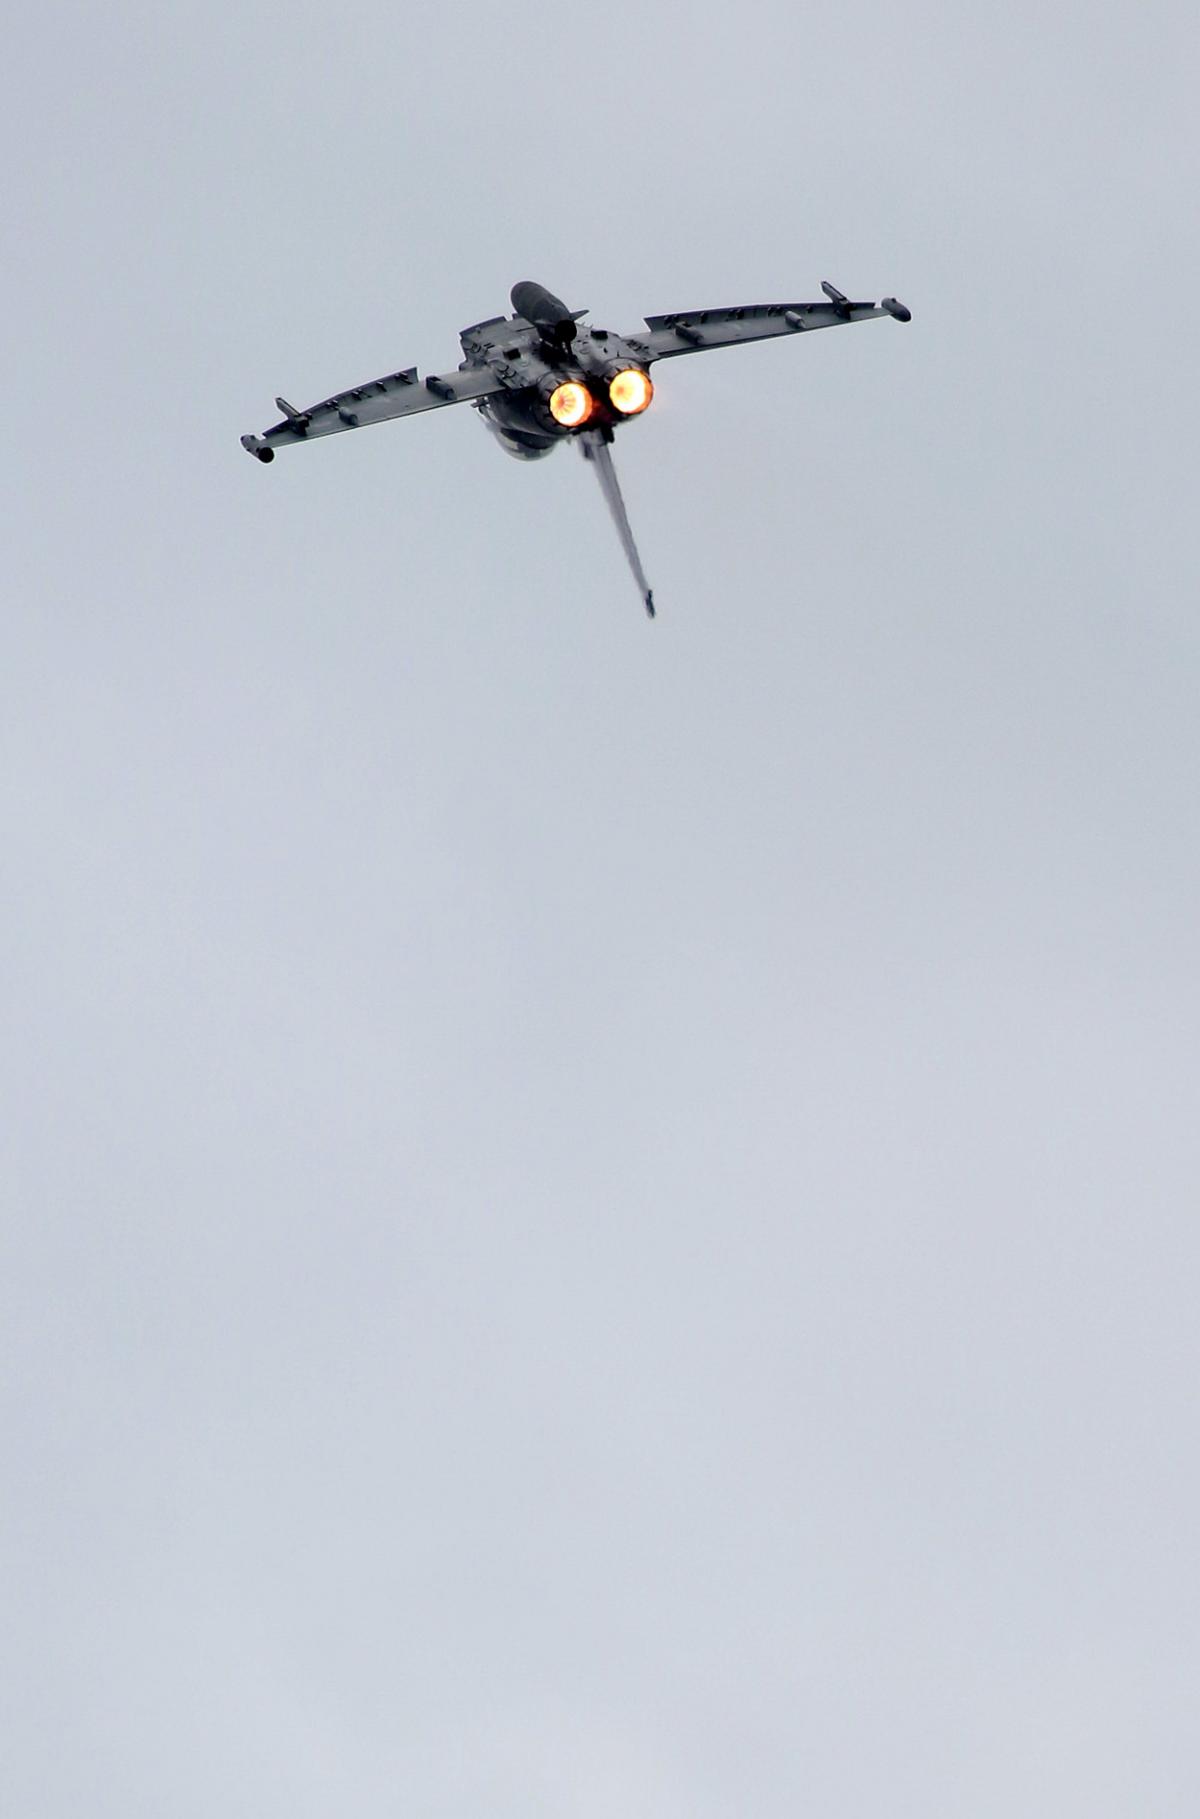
(629,390)
(571,404)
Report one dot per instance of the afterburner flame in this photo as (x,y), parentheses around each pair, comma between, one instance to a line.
(571,404)
(630,391)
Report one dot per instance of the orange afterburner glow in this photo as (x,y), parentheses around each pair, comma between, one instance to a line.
(571,404)
(630,391)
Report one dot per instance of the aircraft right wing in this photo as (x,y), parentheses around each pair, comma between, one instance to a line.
(398,395)
(692,331)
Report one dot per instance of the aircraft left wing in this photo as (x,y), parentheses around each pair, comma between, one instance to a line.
(397,395)
(691,331)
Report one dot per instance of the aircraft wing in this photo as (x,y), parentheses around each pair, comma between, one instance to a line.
(691,331)
(398,395)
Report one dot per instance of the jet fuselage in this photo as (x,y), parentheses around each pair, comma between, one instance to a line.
(543,352)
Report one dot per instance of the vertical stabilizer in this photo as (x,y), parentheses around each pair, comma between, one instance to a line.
(594,447)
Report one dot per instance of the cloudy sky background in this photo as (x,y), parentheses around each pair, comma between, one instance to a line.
(600,1218)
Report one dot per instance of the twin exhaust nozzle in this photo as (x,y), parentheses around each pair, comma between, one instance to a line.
(572,403)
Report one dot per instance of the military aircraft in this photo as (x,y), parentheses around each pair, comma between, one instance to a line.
(540,377)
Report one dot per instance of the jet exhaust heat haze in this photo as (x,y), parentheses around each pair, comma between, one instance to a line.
(541,377)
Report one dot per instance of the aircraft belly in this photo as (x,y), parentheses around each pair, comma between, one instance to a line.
(523,444)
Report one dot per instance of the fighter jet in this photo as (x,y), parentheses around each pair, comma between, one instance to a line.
(541,377)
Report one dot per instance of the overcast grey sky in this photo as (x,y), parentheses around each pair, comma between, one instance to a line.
(600,1217)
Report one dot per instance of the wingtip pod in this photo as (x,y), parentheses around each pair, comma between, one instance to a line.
(259,449)
(895,308)
(648,603)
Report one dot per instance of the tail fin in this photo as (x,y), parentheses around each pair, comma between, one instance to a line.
(594,447)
